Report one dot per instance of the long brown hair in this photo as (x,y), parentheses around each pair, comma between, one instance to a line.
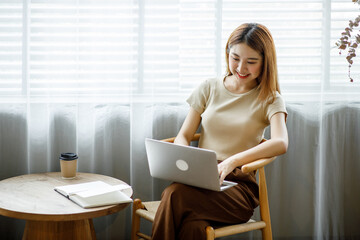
(259,38)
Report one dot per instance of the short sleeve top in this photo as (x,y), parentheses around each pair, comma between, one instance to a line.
(231,123)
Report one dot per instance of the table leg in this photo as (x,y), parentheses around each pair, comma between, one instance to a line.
(44,230)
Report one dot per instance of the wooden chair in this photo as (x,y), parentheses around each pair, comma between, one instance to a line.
(147,210)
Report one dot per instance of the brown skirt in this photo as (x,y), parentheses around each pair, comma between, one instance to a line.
(186,211)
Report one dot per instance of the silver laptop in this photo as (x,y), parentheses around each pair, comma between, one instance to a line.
(184,164)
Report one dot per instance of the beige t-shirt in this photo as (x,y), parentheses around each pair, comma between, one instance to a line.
(231,123)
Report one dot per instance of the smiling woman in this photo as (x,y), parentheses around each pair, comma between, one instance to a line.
(233,117)
(245,66)
(250,53)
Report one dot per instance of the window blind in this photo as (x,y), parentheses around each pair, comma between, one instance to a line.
(160,47)
(179,45)
(82,47)
(11,39)
(198,45)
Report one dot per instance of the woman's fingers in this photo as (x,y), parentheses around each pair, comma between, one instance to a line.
(222,173)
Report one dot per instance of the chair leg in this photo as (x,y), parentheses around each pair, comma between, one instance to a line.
(266,233)
(210,233)
(264,206)
(135,227)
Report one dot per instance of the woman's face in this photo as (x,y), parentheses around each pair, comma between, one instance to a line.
(245,63)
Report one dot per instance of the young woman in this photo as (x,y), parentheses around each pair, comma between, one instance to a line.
(234,111)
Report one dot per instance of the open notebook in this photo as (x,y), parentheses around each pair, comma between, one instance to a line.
(96,194)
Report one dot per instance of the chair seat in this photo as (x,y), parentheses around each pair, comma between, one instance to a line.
(150,209)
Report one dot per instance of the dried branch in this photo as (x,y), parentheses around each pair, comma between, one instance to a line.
(350,40)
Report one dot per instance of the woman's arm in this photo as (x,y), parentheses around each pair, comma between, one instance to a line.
(189,127)
(275,146)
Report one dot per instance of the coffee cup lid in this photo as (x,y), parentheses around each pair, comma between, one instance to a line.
(68,156)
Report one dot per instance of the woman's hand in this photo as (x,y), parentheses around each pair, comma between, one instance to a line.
(225,167)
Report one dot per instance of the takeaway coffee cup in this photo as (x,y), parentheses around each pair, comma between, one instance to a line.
(68,165)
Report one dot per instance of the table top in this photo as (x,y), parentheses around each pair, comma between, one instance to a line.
(32,197)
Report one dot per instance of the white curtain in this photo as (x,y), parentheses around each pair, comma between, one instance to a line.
(98,77)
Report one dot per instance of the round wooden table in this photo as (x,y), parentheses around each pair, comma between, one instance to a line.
(48,214)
